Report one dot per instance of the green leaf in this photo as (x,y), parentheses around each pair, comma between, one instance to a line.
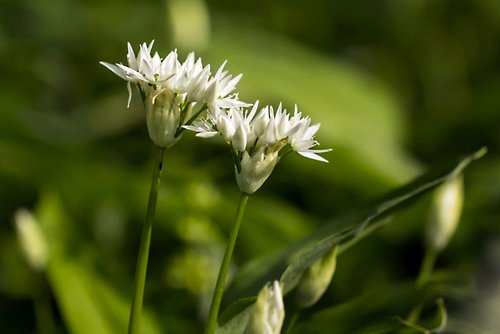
(234,320)
(290,264)
(374,311)
(88,303)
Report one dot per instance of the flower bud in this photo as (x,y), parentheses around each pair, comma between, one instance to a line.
(211,93)
(240,139)
(316,280)
(163,117)
(268,311)
(226,128)
(31,239)
(255,170)
(445,213)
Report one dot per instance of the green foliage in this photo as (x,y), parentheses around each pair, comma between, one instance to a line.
(396,86)
(301,256)
(88,302)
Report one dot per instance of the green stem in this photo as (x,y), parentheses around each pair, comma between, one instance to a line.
(180,130)
(293,321)
(425,272)
(43,309)
(224,269)
(427,266)
(414,314)
(142,259)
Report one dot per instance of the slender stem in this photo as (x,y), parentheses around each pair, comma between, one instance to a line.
(226,261)
(427,266)
(414,314)
(142,259)
(425,272)
(43,309)
(292,322)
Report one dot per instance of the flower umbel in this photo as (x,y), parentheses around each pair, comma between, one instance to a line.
(259,139)
(175,93)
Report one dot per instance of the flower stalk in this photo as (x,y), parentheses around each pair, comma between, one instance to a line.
(224,269)
(142,259)
(427,266)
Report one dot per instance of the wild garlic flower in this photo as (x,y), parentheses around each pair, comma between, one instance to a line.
(175,93)
(259,139)
(268,311)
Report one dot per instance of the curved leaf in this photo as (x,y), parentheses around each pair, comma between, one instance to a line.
(289,264)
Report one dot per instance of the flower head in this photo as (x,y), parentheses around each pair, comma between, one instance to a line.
(175,93)
(260,138)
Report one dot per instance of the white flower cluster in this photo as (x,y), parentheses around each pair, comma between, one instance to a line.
(175,93)
(259,139)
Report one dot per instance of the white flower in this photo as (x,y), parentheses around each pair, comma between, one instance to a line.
(148,72)
(260,139)
(172,90)
(268,311)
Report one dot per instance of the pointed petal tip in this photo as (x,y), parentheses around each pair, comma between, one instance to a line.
(313,156)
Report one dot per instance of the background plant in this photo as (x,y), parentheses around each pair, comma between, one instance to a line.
(395,85)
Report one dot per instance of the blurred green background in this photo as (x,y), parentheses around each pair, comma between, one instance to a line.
(396,85)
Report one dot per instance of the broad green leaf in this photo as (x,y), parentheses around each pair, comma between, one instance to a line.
(87,302)
(290,264)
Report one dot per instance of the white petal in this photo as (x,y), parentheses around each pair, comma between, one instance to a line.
(232,103)
(221,68)
(130,73)
(132,61)
(229,87)
(311,131)
(311,155)
(207,134)
(240,139)
(115,69)
(292,132)
(210,93)
(253,111)
(226,127)
(322,151)
(150,46)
